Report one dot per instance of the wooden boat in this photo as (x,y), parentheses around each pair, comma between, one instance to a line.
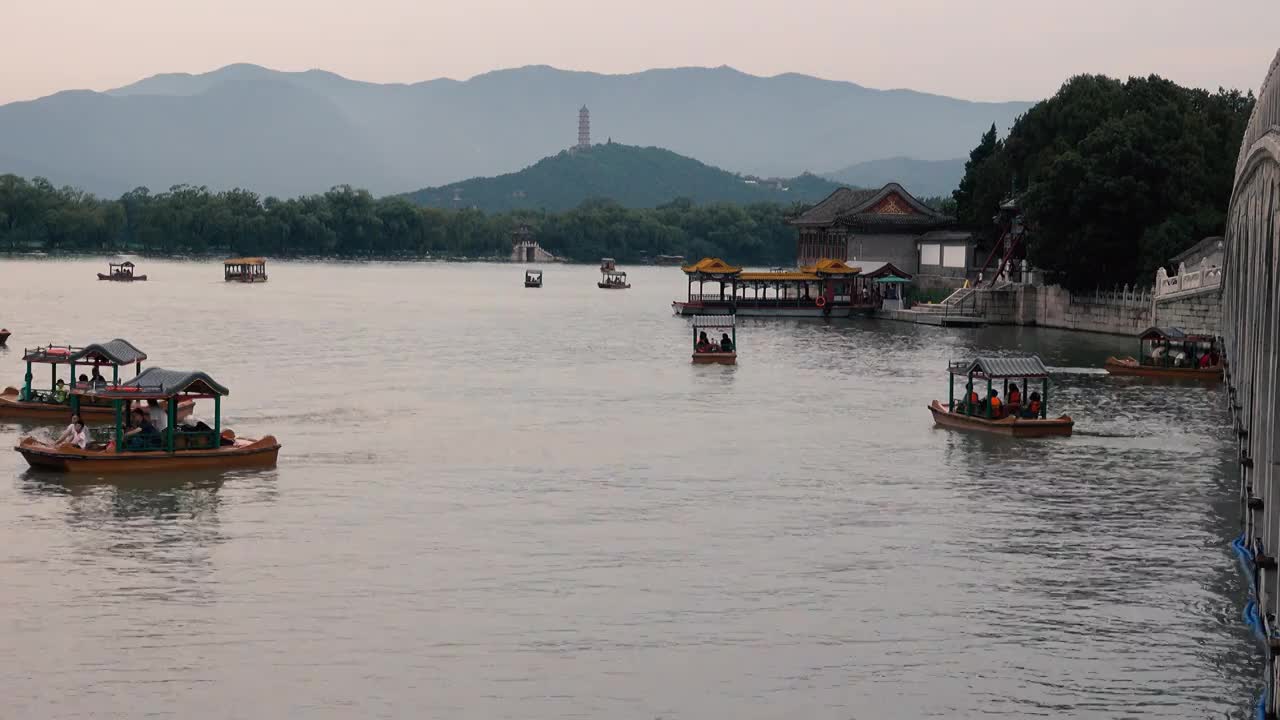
(709,352)
(175,449)
(533,278)
(58,402)
(1012,420)
(1171,353)
(610,277)
(4,336)
(245,270)
(121,272)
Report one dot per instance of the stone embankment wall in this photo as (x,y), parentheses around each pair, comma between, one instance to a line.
(1118,313)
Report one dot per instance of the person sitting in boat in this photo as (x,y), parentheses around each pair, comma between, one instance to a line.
(968,404)
(83,379)
(1014,398)
(156,414)
(60,391)
(704,345)
(142,426)
(997,409)
(1209,360)
(96,379)
(1032,410)
(76,433)
(726,345)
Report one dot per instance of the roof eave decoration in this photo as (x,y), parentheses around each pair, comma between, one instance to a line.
(711,266)
(830,266)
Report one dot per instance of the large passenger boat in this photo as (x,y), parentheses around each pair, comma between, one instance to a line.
(1028,417)
(58,402)
(176,448)
(828,288)
(1171,353)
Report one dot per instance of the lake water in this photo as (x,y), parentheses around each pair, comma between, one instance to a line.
(495,502)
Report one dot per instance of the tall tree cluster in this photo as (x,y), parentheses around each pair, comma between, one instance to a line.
(1114,177)
(350,223)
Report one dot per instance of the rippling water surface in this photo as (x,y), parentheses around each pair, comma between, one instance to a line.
(507,503)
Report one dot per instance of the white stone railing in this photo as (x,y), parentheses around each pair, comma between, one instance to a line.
(1206,277)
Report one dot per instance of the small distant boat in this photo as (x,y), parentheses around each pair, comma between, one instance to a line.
(4,335)
(533,278)
(610,277)
(58,402)
(121,272)
(712,351)
(1171,353)
(245,270)
(1027,419)
(667,260)
(174,449)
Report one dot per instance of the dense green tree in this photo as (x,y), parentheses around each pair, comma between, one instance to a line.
(1113,177)
(348,222)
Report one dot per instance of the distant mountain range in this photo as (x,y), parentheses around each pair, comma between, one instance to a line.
(632,176)
(291,133)
(923,178)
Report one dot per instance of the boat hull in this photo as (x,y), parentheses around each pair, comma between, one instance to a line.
(1129,366)
(1009,426)
(607,286)
(249,280)
(715,358)
(4,335)
(245,453)
(130,278)
(532,284)
(11,408)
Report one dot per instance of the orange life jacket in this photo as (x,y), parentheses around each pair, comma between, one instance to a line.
(1015,398)
(1035,408)
(973,398)
(995,406)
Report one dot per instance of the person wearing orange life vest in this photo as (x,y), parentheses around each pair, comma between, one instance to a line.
(1015,397)
(970,402)
(995,404)
(1032,410)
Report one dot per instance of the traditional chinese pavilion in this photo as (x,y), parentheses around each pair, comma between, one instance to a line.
(860,226)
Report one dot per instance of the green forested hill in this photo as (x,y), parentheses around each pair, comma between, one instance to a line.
(632,176)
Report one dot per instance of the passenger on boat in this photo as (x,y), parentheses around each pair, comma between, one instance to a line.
(60,391)
(1015,397)
(156,414)
(1032,410)
(996,406)
(704,345)
(97,380)
(76,433)
(969,404)
(142,426)
(726,345)
(1209,360)
(83,379)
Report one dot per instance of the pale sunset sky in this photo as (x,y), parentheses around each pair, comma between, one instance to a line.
(976,49)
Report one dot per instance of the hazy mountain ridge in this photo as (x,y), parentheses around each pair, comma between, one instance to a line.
(634,177)
(288,133)
(924,178)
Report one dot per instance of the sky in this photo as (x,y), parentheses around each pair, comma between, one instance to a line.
(974,49)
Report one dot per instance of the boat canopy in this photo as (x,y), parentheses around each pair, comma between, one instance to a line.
(1174,334)
(713,321)
(112,352)
(245,261)
(159,384)
(894,279)
(994,368)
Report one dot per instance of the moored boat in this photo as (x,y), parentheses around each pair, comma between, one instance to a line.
(58,402)
(533,278)
(611,278)
(707,351)
(1024,419)
(828,288)
(121,272)
(1171,353)
(176,448)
